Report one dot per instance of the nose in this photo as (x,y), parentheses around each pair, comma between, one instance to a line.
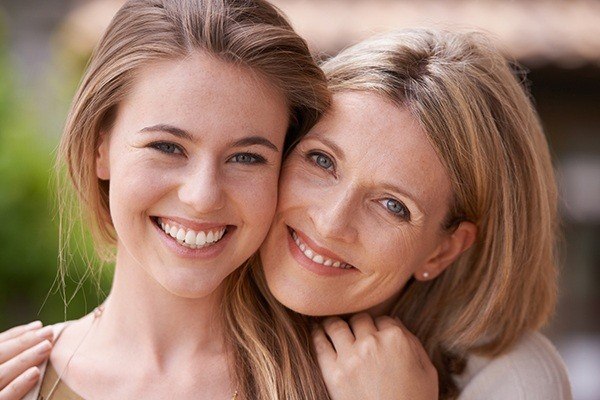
(202,189)
(334,215)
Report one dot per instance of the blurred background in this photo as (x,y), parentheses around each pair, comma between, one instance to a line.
(45,44)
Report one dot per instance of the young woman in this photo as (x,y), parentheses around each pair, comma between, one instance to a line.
(177,133)
(402,202)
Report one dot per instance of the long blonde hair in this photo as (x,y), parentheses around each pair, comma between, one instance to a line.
(486,132)
(268,361)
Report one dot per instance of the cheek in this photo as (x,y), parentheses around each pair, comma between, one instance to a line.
(256,197)
(295,187)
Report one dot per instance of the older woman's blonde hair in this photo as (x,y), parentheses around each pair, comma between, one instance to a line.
(484,128)
(268,357)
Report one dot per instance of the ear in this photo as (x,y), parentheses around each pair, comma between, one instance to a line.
(102,159)
(451,247)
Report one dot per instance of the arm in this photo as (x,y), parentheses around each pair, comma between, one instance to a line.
(21,349)
(370,359)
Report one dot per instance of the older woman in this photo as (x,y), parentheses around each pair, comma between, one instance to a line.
(426,193)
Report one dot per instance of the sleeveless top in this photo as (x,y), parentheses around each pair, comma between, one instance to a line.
(52,388)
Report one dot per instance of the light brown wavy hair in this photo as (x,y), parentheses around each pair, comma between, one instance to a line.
(268,357)
(486,132)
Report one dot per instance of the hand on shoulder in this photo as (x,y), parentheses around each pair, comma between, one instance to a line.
(21,349)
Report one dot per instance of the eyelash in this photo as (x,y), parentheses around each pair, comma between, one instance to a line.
(404,216)
(258,159)
(313,155)
(159,146)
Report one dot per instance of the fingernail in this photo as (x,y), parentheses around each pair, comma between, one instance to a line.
(34,324)
(46,332)
(44,347)
(32,374)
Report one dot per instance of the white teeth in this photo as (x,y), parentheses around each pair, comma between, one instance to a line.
(190,238)
(210,237)
(201,239)
(315,257)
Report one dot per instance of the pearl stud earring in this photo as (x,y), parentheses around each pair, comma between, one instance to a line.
(425,275)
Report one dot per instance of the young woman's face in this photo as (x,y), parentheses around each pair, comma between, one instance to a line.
(193,161)
(362,200)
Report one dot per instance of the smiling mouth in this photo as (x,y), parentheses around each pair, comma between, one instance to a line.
(314,256)
(190,238)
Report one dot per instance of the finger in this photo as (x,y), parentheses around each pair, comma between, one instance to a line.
(18,388)
(419,351)
(413,342)
(19,330)
(362,325)
(386,322)
(323,348)
(30,358)
(339,333)
(19,344)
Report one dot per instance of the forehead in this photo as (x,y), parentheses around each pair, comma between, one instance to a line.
(386,143)
(203,92)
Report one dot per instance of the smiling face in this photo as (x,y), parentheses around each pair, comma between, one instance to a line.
(362,202)
(193,160)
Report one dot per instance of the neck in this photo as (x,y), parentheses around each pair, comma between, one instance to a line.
(143,316)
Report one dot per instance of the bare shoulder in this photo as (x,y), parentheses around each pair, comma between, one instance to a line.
(531,370)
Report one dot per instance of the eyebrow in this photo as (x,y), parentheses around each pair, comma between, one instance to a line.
(180,133)
(173,130)
(254,140)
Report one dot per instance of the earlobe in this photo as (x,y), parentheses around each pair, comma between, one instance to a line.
(448,251)
(102,160)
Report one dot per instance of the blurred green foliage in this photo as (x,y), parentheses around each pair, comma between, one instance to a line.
(29,288)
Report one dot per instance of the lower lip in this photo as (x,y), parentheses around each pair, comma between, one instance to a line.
(204,253)
(312,266)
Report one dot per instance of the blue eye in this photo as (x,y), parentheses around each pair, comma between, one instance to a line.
(167,148)
(322,160)
(396,208)
(248,158)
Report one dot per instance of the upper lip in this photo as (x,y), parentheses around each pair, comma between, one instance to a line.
(194,225)
(318,249)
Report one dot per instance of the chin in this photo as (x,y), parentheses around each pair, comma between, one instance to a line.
(191,287)
(305,303)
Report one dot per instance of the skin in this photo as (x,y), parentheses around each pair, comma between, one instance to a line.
(222,172)
(364,187)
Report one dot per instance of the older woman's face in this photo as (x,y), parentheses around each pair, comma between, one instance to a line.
(362,200)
